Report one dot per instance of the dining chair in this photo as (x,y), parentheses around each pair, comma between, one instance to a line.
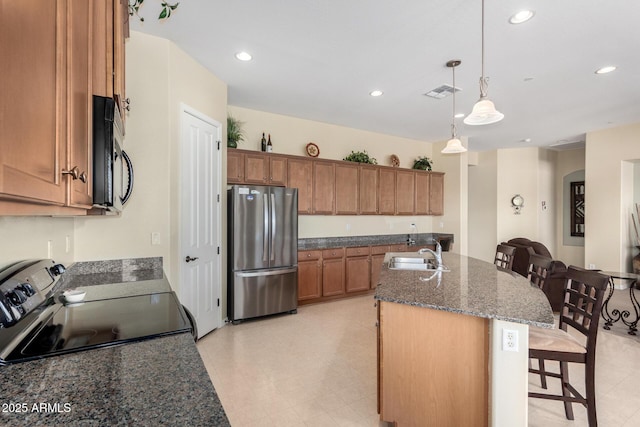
(539,269)
(583,294)
(504,256)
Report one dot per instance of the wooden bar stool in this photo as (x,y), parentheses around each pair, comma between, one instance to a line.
(504,256)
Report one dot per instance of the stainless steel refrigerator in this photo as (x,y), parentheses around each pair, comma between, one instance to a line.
(262,275)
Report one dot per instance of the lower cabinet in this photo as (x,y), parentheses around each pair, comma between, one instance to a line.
(309,275)
(358,269)
(377,259)
(332,272)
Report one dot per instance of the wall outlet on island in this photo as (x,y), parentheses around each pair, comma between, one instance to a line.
(509,340)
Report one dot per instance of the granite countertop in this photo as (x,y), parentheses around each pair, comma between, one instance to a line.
(160,381)
(421,239)
(472,287)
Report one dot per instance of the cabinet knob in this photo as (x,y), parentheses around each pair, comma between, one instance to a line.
(74,172)
(309,255)
(127,104)
(83,177)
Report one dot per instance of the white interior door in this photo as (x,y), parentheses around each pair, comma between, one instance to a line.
(200,239)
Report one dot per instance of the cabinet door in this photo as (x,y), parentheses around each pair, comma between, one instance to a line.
(120,33)
(277,170)
(358,269)
(299,175)
(80,101)
(346,178)
(405,192)
(256,168)
(387,192)
(436,194)
(235,167)
(32,130)
(368,191)
(309,275)
(332,272)
(323,187)
(422,193)
(377,259)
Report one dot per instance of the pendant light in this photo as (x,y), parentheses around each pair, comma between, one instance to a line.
(454,145)
(484,112)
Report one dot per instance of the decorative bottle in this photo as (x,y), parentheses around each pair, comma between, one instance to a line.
(263,143)
(269,146)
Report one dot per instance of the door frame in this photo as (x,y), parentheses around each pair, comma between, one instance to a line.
(184,110)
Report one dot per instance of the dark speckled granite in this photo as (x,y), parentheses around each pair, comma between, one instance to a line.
(472,287)
(150,383)
(351,241)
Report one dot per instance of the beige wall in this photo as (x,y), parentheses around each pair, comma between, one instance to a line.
(290,135)
(568,162)
(483,205)
(609,158)
(159,78)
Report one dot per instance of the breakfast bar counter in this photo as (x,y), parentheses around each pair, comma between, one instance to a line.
(453,344)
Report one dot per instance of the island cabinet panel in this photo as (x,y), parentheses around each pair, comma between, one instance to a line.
(405,192)
(387,192)
(436,193)
(368,191)
(332,272)
(235,167)
(323,187)
(256,169)
(300,176)
(358,269)
(346,179)
(33,88)
(433,367)
(377,259)
(277,170)
(423,180)
(309,275)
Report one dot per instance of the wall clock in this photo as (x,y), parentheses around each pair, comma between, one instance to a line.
(517,202)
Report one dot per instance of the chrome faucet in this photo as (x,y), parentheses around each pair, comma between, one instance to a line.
(437,254)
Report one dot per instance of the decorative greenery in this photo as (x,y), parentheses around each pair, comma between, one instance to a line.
(165,13)
(235,133)
(423,163)
(361,157)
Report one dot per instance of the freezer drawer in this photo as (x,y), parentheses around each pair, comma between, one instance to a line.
(262,292)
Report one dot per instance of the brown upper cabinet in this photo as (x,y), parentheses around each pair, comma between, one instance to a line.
(334,187)
(57,53)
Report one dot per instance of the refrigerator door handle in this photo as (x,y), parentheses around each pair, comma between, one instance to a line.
(273,227)
(265,229)
(267,273)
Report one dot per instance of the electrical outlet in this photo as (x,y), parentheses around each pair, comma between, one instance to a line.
(592,266)
(155,238)
(509,340)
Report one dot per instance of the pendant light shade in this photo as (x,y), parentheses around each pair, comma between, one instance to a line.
(484,111)
(454,145)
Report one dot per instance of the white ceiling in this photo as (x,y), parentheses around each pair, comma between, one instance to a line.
(319,59)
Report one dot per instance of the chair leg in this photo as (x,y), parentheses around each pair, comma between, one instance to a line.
(564,371)
(590,386)
(543,377)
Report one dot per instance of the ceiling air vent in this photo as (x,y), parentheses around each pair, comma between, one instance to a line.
(442,91)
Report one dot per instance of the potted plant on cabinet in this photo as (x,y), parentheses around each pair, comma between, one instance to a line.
(234,132)
(361,157)
(423,163)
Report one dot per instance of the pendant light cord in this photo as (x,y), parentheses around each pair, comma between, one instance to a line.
(453,113)
(483,80)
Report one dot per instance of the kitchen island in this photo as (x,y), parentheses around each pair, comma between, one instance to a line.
(441,358)
(158,381)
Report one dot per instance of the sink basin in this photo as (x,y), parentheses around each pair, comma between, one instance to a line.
(420,264)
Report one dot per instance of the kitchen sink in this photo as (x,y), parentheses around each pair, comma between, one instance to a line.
(415,263)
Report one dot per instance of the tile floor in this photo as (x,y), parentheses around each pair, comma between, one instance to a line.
(318,368)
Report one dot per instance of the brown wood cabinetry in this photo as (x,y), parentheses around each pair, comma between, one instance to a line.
(235,167)
(405,192)
(358,269)
(300,176)
(323,187)
(332,272)
(56,55)
(387,192)
(346,183)
(309,275)
(368,191)
(333,187)
(377,259)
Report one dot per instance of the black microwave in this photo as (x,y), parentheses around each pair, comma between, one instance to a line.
(112,168)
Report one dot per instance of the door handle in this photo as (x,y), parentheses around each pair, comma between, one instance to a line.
(188,258)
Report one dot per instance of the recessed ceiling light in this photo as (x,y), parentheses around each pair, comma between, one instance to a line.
(376,93)
(605,70)
(457,116)
(522,16)
(243,56)
(526,140)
